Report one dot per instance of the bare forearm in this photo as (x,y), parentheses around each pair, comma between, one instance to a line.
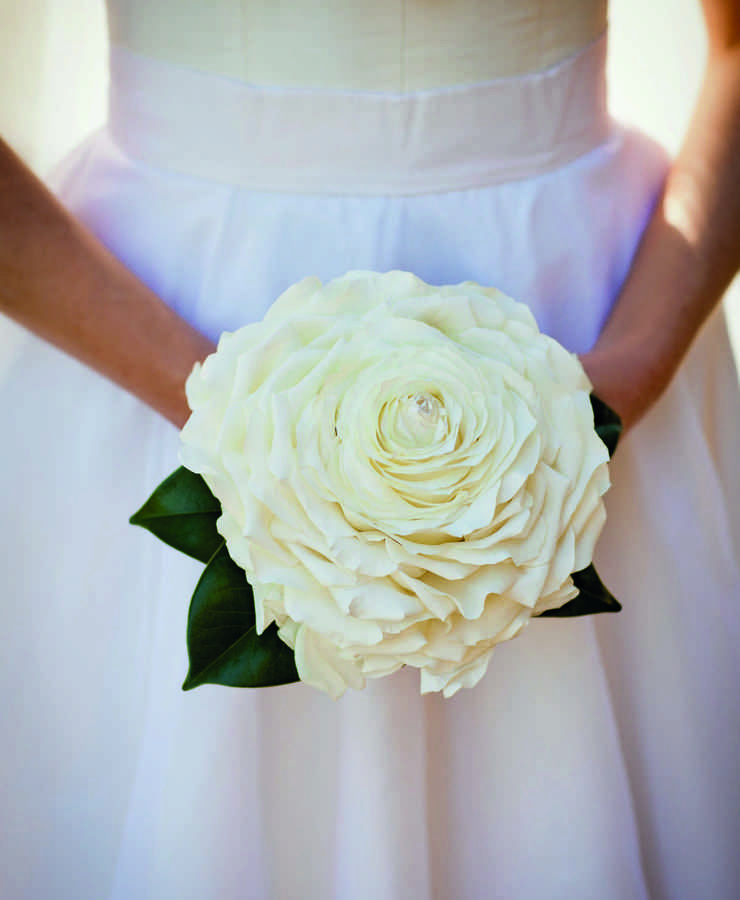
(688,255)
(60,282)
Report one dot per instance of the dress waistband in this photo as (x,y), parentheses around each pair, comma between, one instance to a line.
(358,142)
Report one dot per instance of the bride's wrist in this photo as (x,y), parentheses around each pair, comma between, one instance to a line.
(628,376)
(171,402)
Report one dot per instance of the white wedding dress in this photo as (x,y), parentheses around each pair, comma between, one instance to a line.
(596,759)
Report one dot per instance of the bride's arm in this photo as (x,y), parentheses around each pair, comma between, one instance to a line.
(61,283)
(690,250)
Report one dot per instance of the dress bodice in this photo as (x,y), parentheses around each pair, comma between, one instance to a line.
(386,45)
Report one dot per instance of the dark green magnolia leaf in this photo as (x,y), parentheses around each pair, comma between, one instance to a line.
(607,423)
(593,597)
(223,644)
(183,512)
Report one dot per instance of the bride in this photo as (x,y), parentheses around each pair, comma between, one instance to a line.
(250,144)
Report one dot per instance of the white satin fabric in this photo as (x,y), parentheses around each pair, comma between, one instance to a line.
(358,142)
(595,759)
(385,45)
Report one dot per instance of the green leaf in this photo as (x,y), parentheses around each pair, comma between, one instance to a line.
(183,512)
(607,423)
(593,597)
(223,644)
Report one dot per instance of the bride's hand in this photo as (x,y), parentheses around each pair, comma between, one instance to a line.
(628,377)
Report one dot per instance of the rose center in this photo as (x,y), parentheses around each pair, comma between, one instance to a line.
(426,406)
(419,420)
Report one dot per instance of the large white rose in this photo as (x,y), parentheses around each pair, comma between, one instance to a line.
(408,473)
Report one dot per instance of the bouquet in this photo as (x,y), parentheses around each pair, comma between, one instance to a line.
(384,473)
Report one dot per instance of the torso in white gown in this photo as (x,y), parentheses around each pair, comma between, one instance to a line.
(250,144)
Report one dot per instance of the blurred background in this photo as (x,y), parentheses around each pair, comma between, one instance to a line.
(53,80)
